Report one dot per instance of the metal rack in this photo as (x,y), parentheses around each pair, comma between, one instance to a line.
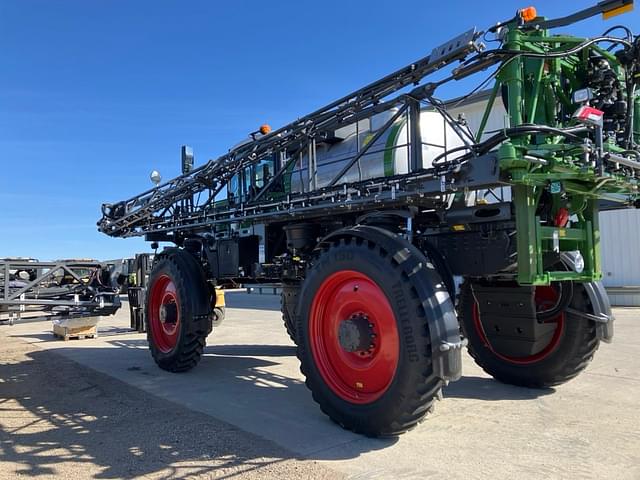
(179,203)
(70,288)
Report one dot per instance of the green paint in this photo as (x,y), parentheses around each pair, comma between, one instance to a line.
(487,111)
(535,92)
(389,150)
(287,177)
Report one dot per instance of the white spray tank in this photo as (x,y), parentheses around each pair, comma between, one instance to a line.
(387,157)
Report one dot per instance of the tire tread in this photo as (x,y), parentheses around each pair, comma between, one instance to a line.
(195,327)
(588,343)
(423,393)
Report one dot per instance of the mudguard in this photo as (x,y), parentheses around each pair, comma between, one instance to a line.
(601,313)
(444,330)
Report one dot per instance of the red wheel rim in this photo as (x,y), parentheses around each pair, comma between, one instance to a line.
(164,314)
(362,375)
(545,297)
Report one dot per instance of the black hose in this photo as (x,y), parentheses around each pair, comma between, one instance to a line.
(621,27)
(566,295)
(631,152)
(564,53)
(495,140)
(527,129)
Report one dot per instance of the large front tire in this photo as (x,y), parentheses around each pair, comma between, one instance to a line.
(568,352)
(178,311)
(363,336)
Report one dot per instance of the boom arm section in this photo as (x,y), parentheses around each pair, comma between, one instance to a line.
(570,142)
(136,215)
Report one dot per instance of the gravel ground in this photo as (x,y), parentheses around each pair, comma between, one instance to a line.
(61,420)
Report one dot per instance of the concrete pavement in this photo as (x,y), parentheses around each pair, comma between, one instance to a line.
(249,378)
(61,420)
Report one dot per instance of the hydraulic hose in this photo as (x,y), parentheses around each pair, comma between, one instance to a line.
(566,295)
(495,140)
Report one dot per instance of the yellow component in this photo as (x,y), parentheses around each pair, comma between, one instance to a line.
(617,11)
(219,298)
(528,13)
(264,129)
(359,385)
(458,228)
(562,232)
(482,201)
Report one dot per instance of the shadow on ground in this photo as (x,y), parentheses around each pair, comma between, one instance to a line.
(56,415)
(484,388)
(54,412)
(79,415)
(242,357)
(252,350)
(50,337)
(238,300)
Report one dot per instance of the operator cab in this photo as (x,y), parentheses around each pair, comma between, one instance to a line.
(245,185)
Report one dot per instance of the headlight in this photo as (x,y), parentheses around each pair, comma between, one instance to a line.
(578,261)
(573,260)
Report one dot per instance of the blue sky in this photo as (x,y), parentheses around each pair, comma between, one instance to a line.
(96,94)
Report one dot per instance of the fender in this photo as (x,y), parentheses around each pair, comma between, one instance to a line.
(441,265)
(601,312)
(446,344)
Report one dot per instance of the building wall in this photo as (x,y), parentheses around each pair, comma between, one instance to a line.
(619,236)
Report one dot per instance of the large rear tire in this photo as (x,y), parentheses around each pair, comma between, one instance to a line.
(363,336)
(568,352)
(178,308)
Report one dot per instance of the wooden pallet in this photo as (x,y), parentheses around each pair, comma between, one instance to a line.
(80,333)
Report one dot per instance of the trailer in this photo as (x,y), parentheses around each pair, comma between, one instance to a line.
(367,209)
